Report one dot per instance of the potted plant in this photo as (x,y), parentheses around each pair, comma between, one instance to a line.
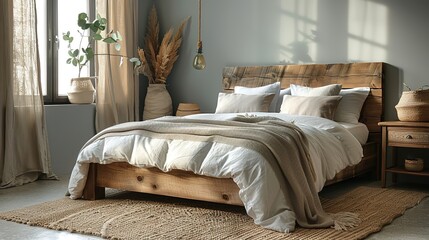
(82,89)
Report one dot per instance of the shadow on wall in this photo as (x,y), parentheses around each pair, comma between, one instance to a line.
(392,88)
(299,51)
(357,32)
(298,39)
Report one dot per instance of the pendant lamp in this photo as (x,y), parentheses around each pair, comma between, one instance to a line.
(199,61)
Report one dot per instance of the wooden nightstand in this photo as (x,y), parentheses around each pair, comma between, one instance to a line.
(402,134)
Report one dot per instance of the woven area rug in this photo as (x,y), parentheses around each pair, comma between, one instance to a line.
(142,216)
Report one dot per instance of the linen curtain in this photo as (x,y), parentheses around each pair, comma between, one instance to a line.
(24,152)
(118,85)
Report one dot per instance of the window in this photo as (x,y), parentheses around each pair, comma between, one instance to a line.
(55,17)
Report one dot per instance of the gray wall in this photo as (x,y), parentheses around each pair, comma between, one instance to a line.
(69,127)
(144,8)
(256,32)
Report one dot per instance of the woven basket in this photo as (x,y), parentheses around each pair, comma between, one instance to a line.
(414,106)
(414,165)
(185,109)
(81,90)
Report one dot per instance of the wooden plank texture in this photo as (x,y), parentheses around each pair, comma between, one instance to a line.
(313,75)
(349,75)
(175,183)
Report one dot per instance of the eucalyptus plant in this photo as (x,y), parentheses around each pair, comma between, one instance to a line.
(79,57)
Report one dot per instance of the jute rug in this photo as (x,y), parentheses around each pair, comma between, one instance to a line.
(141,216)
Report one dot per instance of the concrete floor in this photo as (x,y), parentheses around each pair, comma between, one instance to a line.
(413,225)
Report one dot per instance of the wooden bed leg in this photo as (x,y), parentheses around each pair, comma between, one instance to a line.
(395,163)
(91,190)
(378,162)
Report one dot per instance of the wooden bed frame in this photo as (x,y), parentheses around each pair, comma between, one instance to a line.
(183,184)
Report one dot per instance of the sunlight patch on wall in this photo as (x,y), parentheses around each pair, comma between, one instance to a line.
(367,24)
(297,31)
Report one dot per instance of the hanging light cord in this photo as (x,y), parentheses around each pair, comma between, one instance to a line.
(200,43)
(199,62)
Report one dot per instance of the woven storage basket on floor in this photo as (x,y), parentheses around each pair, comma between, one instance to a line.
(414,106)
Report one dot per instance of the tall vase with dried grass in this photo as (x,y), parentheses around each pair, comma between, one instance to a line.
(156,62)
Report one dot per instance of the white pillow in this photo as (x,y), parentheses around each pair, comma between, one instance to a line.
(328,90)
(267,89)
(318,106)
(350,106)
(283,92)
(240,103)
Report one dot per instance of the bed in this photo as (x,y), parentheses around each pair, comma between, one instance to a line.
(186,184)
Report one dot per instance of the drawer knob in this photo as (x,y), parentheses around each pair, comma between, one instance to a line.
(139,178)
(409,137)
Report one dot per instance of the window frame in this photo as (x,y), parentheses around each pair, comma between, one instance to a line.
(54,39)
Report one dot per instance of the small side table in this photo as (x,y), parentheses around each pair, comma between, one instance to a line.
(185,109)
(402,134)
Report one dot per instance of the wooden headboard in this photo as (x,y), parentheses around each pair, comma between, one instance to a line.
(350,75)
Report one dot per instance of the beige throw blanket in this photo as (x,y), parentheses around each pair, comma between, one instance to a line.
(282,144)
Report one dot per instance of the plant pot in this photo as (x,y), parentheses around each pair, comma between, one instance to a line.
(413,106)
(81,90)
(157,102)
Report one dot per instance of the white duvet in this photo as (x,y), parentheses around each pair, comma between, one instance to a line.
(332,148)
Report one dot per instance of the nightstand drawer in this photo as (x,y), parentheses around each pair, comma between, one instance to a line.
(408,136)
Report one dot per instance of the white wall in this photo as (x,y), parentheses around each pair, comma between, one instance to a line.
(256,32)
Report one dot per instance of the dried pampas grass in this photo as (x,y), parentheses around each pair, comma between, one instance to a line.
(157,59)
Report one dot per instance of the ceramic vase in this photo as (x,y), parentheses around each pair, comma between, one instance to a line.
(157,102)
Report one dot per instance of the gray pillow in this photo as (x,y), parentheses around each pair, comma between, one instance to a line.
(318,106)
(351,104)
(273,88)
(239,103)
(328,90)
